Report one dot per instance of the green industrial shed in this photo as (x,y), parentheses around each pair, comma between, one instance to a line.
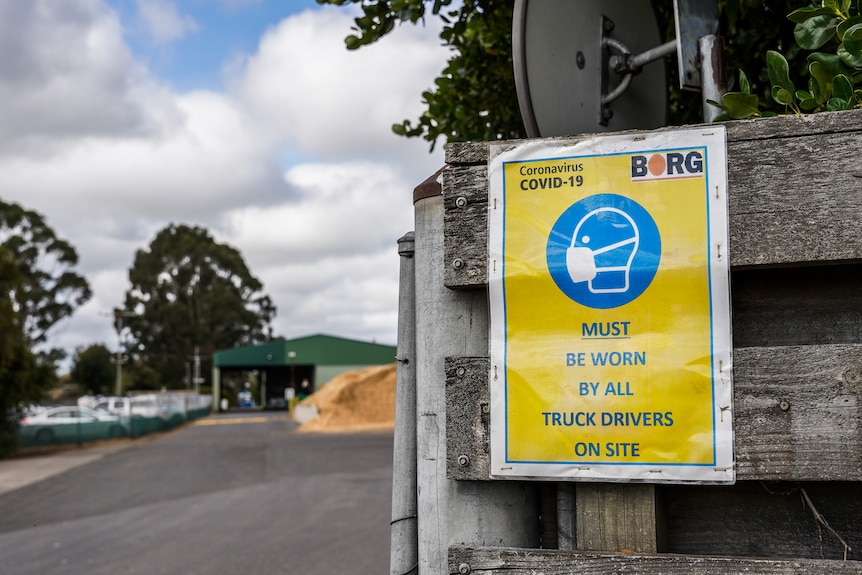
(284,364)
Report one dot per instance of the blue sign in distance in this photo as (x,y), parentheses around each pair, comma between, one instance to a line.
(604,251)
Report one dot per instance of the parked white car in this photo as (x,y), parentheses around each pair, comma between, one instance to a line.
(70,423)
(115,405)
(136,405)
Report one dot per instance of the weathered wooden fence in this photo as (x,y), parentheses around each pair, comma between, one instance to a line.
(795,204)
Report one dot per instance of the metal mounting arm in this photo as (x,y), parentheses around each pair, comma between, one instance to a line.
(627,65)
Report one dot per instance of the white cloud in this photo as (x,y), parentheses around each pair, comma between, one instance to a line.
(67,74)
(340,209)
(127,188)
(348,296)
(337,103)
(162,22)
(331,252)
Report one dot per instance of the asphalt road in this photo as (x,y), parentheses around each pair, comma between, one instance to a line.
(231,494)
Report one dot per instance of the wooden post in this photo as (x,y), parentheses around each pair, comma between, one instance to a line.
(453,323)
(616,517)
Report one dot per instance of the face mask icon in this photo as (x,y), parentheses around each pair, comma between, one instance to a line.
(604,244)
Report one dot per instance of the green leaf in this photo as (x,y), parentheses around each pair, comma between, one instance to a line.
(815,32)
(852,59)
(802,14)
(830,62)
(808,104)
(841,7)
(822,78)
(740,105)
(854,32)
(842,88)
(850,51)
(716,104)
(782,96)
(779,74)
(352,42)
(847,24)
(744,85)
(837,104)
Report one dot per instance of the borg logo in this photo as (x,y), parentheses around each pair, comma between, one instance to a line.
(663,166)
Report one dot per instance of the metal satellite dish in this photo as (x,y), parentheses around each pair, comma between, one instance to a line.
(583,67)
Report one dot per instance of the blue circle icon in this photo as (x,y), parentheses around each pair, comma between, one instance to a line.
(604,251)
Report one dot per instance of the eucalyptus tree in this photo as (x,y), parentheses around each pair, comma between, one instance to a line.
(49,289)
(22,381)
(189,295)
(38,289)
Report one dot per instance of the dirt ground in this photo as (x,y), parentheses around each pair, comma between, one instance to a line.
(355,401)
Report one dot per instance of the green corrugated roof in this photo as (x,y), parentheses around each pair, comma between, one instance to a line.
(310,350)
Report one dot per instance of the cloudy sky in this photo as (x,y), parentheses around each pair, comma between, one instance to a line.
(247,117)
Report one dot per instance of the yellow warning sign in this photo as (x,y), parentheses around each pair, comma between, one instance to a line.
(610,322)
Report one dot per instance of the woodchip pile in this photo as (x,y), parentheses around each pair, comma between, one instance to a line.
(355,401)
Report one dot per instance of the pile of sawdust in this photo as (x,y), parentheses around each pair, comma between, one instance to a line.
(355,400)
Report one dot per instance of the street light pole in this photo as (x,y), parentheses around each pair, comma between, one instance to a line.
(119,314)
(197,372)
(292,356)
(290,392)
(119,363)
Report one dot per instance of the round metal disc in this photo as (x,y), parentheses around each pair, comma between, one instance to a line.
(562,70)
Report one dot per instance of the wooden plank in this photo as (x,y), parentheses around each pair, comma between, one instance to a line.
(509,561)
(797,413)
(610,517)
(464,153)
(763,519)
(797,306)
(793,199)
(467,418)
(465,227)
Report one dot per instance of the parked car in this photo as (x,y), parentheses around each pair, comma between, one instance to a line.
(138,406)
(146,406)
(70,424)
(115,405)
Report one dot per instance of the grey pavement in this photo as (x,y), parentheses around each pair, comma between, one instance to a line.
(34,465)
(23,470)
(231,493)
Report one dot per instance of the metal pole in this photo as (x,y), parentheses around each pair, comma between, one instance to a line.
(292,356)
(404,557)
(216,406)
(453,323)
(119,314)
(197,373)
(118,386)
(714,83)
